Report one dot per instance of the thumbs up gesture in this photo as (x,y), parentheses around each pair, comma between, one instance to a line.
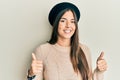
(36,66)
(101,63)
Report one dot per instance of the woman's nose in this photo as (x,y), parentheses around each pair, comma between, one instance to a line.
(68,24)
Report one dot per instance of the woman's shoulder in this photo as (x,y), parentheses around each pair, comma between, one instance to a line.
(42,50)
(44,45)
(84,46)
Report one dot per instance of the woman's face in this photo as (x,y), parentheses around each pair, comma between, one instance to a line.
(66,26)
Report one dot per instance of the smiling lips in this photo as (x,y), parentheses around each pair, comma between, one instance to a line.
(67,31)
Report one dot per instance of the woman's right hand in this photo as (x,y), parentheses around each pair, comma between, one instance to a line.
(36,66)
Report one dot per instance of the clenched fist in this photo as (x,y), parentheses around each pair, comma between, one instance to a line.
(101,63)
(36,66)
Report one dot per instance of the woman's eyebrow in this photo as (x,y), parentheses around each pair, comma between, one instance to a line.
(66,19)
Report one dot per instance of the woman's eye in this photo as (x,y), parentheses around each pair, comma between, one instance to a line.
(72,21)
(62,20)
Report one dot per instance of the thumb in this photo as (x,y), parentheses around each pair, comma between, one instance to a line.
(33,57)
(101,55)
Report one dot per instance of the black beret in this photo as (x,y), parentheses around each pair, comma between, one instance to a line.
(59,7)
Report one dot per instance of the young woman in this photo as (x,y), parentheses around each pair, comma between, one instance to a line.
(63,57)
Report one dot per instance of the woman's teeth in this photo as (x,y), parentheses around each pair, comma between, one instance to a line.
(67,31)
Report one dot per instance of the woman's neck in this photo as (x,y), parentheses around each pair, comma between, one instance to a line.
(64,42)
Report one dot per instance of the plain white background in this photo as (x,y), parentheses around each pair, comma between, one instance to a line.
(24,25)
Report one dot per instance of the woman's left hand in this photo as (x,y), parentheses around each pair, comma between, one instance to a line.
(101,63)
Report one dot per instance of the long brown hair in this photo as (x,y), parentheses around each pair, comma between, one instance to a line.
(77,55)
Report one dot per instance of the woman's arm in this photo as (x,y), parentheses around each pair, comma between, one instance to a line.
(36,70)
(101,66)
(96,74)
